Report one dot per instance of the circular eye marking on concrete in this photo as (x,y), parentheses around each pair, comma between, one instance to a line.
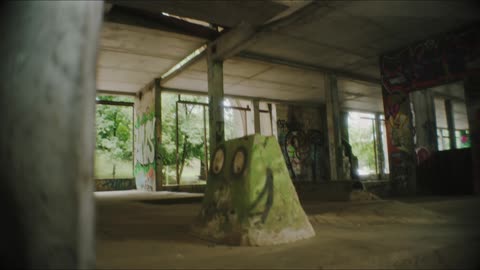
(239,161)
(218,160)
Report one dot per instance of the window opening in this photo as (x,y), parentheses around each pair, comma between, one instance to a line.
(114,137)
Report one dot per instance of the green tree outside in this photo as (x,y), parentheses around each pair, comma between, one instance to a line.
(114,139)
(361,138)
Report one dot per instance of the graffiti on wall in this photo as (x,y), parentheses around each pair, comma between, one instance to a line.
(400,142)
(144,170)
(302,151)
(267,192)
(424,64)
(114,184)
(432,62)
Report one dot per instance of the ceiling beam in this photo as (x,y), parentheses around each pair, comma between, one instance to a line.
(236,40)
(222,48)
(140,18)
(239,38)
(263,99)
(304,66)
(233,41)
(114,93)
(183,64)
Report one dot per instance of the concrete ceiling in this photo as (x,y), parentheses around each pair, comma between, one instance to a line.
(350,35)
(256,79)
(130,57)
(220,12)
(340,35)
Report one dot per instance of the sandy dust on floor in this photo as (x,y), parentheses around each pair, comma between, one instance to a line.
(365,234)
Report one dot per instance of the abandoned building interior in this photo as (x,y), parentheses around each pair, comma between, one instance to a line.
(241,134)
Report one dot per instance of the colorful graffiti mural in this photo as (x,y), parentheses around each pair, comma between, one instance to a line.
(302,151)
(424,64)
(144,170)
(432,62)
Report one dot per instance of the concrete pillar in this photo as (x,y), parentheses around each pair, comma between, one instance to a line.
(158,135)
(472,98)
(379,147)
(344,125)
(215,102)
(425,119)
(47,139)
(333,126)
(256,115)
(450,123)
(145,139)
(401,149)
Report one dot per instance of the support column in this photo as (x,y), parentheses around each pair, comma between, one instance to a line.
(215,102)
(425,120)
(344,125)
(450,123)
(47,139)
(472,98)
(256,115)
(401,149)
(158,135)
(333,125)
(379,148)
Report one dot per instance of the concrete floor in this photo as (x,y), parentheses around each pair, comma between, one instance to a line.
(137,230)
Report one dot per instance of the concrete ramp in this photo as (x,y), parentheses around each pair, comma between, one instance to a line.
(250,198)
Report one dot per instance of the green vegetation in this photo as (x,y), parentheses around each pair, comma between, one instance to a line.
(104,167)
(361,138)
(114,155)
(191,141)
(114,139)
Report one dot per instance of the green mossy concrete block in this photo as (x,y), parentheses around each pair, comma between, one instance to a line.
(252,202)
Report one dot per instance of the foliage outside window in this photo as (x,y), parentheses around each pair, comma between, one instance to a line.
(362,139)
(193,135)
(114,139)
(191,139)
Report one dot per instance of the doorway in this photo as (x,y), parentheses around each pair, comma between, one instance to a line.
(367,137)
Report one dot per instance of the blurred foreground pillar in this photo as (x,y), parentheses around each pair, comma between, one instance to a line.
(472,98)
(47,106)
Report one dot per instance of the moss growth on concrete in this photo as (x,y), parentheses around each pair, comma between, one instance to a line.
(256,206)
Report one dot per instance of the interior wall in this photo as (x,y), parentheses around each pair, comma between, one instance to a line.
(144,140)
(301,135)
